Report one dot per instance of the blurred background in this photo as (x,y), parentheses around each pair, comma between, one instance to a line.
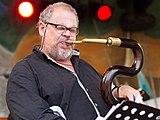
(132,19)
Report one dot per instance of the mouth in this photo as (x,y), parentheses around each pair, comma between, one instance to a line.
(63,44)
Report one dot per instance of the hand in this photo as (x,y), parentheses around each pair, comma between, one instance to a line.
(129,93)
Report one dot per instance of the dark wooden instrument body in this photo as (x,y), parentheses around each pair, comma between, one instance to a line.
(115,70)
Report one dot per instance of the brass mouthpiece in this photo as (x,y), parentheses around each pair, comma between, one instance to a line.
(87,41)
(73,42)
(109,41)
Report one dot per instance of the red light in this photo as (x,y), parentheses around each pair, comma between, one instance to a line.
(104,12)
(25,9)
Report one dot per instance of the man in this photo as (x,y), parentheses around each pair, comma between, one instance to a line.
(53,83)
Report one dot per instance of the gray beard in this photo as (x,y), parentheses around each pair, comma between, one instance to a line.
(61,55)
(58,54)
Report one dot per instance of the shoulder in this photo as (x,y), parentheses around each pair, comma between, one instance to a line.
(23,64)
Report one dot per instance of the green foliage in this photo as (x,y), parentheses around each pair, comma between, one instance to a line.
(154,10)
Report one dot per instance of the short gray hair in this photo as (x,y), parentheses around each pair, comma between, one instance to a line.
(47,12)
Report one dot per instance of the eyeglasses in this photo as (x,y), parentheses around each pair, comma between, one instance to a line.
(61,28)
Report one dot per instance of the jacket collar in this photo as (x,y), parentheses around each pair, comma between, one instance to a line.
(36,49)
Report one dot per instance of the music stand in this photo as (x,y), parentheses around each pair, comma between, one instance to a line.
(128,110)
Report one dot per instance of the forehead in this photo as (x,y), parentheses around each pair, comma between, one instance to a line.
(63,16)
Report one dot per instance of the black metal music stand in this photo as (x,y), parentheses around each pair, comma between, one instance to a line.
(128,110)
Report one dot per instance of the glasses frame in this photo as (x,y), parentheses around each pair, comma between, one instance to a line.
(66,28)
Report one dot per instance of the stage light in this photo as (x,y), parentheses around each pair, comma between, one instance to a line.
(25,9)
(104,12)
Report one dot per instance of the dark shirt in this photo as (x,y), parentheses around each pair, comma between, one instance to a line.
(36,83)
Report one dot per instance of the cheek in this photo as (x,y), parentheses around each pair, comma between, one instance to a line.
(50,41)
(51,38)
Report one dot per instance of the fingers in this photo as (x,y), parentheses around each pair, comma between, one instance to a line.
(130,97)
(130,93)
(139,99)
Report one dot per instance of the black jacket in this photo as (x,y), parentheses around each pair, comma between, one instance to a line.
(36,83)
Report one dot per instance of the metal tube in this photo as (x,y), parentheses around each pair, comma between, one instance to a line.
(110,41)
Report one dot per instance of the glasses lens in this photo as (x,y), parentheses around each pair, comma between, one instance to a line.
(74,30)
(61,28)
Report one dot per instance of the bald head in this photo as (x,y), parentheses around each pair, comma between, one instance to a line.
(47,13)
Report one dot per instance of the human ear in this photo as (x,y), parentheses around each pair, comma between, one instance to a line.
(41,29)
